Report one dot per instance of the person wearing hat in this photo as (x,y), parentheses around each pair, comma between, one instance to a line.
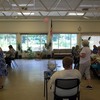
(85,62)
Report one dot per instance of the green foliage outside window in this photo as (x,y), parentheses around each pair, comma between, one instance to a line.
(6,40)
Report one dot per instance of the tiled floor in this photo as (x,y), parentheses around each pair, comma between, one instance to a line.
(25,82)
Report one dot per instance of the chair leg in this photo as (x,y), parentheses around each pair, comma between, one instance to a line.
(57,98)
(78,96)
(73,98)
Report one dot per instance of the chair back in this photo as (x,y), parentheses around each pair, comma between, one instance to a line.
(66,87)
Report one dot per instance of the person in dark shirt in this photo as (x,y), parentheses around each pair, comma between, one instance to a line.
(95,49)
(10,55)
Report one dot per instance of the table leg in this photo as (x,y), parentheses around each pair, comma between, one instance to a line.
(46,90)
(44,87)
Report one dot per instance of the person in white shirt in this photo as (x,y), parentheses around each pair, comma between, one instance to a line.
(85,63)
(67,73)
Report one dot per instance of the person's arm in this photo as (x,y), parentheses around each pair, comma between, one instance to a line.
(93,60)
(52,79)
(83,55)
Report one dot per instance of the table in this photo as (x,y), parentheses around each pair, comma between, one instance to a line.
(47,75)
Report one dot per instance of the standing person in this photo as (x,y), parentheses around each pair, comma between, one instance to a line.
(73,51)
(67,73)
(76,57)
(3,69)
(85,63)
(10,55)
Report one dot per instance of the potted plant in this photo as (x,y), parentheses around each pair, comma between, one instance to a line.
(19,50)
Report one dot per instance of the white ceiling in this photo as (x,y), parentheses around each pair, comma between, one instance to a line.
(17,9)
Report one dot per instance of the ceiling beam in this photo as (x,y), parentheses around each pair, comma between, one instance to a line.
(28,2)
(53,4)
(57,3)
(78,4)
(68,4)
(43,5)
(54,10)
(19,8)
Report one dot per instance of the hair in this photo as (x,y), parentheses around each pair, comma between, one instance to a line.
(10,46)
(0,49)
(85,43)
(67,62)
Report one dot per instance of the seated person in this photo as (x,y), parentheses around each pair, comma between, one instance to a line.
(95,61)
(68,72)
(10,55)
(95,49)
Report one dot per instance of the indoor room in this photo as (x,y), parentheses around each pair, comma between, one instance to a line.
(42,33)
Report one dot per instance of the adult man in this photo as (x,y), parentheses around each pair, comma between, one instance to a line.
(67,73)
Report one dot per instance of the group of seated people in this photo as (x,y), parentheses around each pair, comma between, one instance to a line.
(95,60)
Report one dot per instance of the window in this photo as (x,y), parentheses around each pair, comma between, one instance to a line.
(34,41)
(6,40)
(94,40)
(64,41)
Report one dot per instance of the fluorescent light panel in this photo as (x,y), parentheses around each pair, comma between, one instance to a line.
(23,5)
(89,6)
(75,14)
(26,13)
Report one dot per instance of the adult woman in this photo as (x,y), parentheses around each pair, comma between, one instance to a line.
(3,70)
(84,67)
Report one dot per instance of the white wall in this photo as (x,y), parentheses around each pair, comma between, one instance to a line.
(23,27)
(58,25)
(72,26)
(39,26)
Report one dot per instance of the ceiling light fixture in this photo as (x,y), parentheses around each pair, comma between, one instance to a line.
(23,5)
(26,13)
(75,14)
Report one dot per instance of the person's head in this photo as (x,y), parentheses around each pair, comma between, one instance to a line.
(94,46)
(10,46)
(67,62)
(77,47)
(85,43)
(73,48)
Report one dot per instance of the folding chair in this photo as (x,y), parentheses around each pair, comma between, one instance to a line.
(67,89)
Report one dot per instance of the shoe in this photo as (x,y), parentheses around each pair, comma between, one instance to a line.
(89,87)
